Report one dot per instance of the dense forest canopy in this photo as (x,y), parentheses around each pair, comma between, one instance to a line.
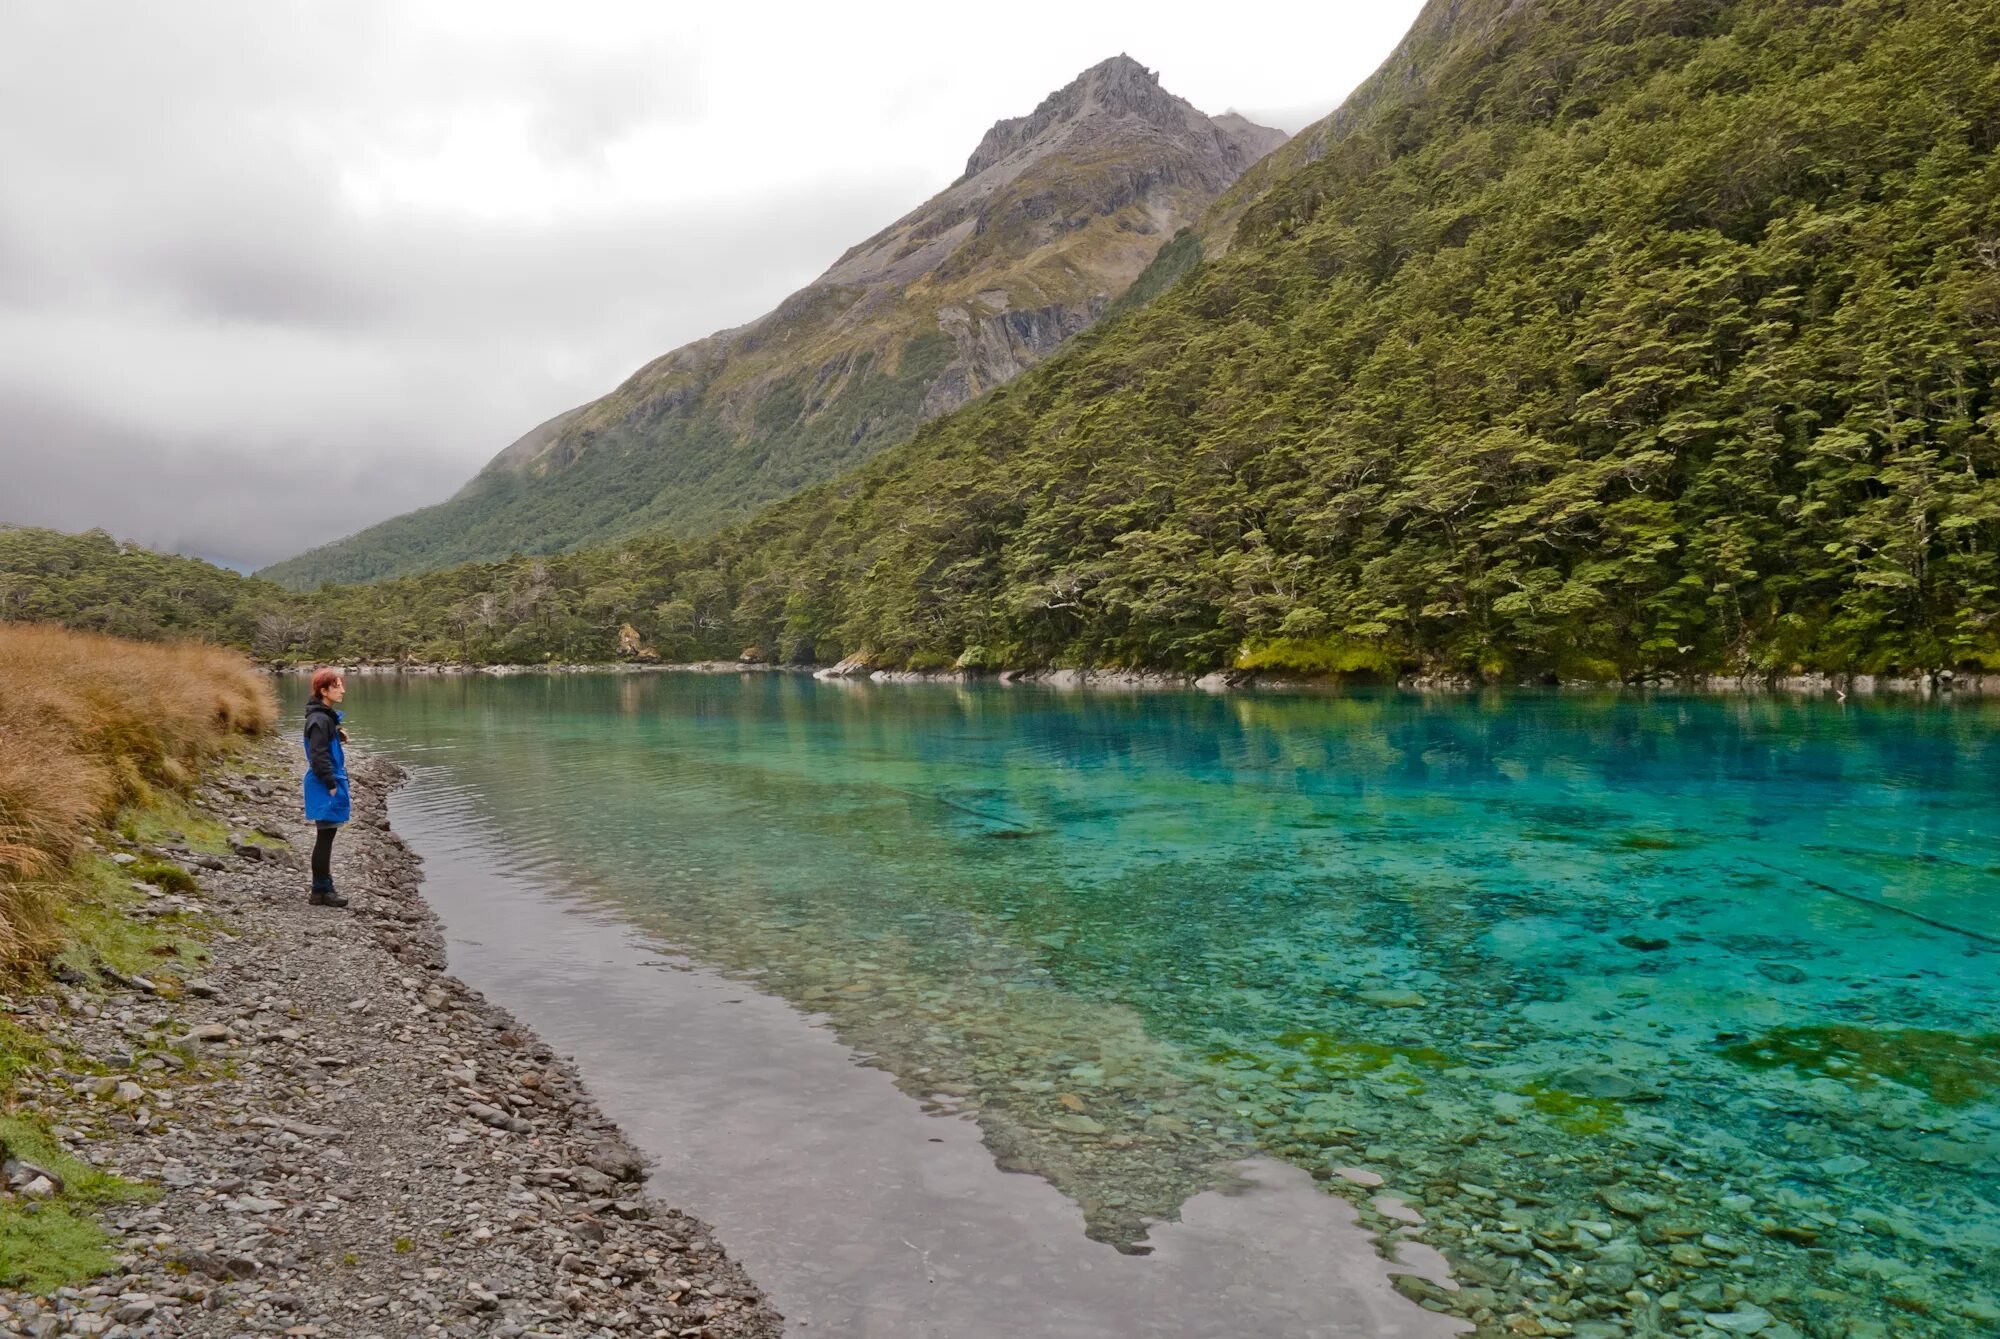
(1646,338)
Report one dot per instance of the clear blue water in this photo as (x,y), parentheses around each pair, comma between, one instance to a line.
(1689,999)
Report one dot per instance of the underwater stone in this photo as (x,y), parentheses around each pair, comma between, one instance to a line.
(1611,1277)
(1631,1203)
(1391,1207)
(1598,1081)
(1748,1318)
(1421,1291)
(1392,999)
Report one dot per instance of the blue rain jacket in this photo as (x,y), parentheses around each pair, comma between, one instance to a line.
(325,783)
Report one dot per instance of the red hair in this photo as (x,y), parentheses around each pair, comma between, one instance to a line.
(324,679)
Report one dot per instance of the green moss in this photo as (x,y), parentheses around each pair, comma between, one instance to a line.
(1360,1057)
(1646,841)
(98,927)
(46,1244)
(1574,1112)
(1594,669)
(44,1247)
(164,874)
(1316,656)
(83,1184)
(171,820)
(1312,1058)
(20,1052)
(49,1243)
(1944,1066)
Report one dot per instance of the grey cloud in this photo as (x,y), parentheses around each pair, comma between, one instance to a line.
(1291,118)
(68,468)
(581,109)
(198,332)
(448,345)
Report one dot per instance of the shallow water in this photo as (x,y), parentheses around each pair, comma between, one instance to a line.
(1638,1002)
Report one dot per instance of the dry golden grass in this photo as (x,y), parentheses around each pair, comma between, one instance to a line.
(88,724)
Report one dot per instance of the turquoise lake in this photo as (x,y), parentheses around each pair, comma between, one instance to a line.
(1693,997)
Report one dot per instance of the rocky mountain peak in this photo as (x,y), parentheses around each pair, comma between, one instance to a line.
(1059,211)
(1119,86)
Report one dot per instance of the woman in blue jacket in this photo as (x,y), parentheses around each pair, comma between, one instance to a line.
(325,781)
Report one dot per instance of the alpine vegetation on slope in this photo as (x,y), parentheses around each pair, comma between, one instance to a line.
(1055,214)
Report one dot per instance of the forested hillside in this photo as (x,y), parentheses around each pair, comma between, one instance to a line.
(1649,337)
(95,583)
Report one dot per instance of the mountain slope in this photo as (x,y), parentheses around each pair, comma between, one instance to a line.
(1638,338)
(1055,214)
(1643,338)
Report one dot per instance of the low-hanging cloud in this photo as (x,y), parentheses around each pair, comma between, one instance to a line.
(271,272)
(213,340)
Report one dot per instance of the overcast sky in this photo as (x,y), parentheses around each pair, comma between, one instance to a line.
(271,272)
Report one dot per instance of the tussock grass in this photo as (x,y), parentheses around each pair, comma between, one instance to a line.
(90,724)
(94,731)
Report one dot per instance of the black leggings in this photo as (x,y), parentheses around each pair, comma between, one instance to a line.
(323,855)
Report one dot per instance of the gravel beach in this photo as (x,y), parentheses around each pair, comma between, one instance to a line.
(348,1141)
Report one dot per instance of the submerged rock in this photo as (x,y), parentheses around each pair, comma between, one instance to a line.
(1392,999)
(1603,1082)
(1747,1318)
(1631,1203)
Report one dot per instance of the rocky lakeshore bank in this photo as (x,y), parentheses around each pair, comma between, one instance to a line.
(1944,684)
(341,1139)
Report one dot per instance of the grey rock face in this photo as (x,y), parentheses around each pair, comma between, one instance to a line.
(1120,86)
(993,349)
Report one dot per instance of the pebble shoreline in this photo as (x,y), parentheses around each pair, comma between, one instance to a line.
(349,1141)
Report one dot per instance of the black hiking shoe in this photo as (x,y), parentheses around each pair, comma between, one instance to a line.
(327,898)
